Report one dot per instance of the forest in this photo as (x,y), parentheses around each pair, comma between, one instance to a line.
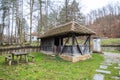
(19,19)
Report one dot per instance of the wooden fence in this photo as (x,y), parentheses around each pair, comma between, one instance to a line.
(24,48)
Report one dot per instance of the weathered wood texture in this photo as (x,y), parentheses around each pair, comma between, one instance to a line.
(25,48)
(84,49)
(56,45)
(47,44)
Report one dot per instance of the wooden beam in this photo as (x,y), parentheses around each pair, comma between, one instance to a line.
(85,45)
(89,44)
(73,42)
(78,46)
(60,43)
(64,45)
(86,40)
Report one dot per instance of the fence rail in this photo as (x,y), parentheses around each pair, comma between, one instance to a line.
(111,47)
(23,48)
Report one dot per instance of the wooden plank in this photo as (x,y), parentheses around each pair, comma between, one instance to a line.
(8,59)
(73,43)
(85,44)
(64,45)
(78,46)
(89,44)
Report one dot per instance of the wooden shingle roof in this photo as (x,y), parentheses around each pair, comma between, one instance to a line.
(70,27)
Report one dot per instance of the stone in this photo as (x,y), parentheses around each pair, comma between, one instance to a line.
(103,67)
(103,71)
(115,77)
(53,55)
(107,64)
(75,58)
(117,67)
(98,77)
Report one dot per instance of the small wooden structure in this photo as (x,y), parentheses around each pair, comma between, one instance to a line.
(53,41)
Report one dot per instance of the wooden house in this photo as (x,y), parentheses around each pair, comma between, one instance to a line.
(55,40)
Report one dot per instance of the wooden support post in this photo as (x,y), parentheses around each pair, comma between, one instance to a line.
(78,46)
(73,43)
(89,44)
(60,44)
(64,45)
(86,40)
(26,58)
(85,44)
(17,58)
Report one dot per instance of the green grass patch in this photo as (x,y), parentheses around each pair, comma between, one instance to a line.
(50,68)
(114,72)
(110,41)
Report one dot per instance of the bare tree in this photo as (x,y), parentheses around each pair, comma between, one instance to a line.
(31,11)
(66,10)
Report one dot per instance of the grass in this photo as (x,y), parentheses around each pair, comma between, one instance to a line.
(114,72)
(50,68)
(110,41)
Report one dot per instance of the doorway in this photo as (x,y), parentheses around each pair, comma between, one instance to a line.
(56,42)
(56,45)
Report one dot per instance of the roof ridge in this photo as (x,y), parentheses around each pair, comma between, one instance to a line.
(59,26)
(73,25)
(64,24)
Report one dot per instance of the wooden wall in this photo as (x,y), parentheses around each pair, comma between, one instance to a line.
(67,49)
(47,44)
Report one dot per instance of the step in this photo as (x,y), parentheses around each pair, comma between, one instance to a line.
(103,67)
(98,77)
(103,71)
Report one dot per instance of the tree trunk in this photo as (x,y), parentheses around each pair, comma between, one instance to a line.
(0,38)
(31,11)
(46,8)
(66,12)
(12,23)
(9,38)
(40,2)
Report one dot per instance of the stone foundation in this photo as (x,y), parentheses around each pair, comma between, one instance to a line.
(69,57)
(48,53)
(75,58)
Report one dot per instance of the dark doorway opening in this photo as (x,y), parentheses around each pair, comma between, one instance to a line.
(56,45)
(56,42)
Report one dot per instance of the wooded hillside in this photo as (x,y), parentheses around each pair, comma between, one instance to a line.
(105,21)
(108,26)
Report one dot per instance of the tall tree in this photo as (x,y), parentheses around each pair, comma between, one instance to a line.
(31,11)
(5,6)
(66,11)
(71,12)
